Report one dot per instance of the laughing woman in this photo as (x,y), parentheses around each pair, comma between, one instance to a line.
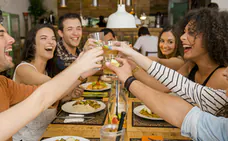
(38,49)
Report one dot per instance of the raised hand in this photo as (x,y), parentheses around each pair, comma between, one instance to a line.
(125,49)
(88,60)
(76,93)
(122,72)
(90,43)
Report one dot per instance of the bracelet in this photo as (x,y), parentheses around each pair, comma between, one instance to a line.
(135,70)
(128,82)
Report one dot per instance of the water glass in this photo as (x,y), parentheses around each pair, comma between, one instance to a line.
(109,133)
(99,37)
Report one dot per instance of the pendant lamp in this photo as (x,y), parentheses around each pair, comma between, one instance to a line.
(121,18)
(95,3)
(63,3)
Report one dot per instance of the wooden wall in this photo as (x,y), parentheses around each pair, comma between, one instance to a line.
(107,7)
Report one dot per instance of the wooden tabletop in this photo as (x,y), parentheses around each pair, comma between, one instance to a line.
(93,131)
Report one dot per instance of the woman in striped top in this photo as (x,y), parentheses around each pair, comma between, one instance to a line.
(205,47)
(208,99)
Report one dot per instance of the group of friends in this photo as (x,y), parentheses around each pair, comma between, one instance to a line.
(191,62)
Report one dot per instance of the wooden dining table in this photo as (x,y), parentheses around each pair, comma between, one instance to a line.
(132,133)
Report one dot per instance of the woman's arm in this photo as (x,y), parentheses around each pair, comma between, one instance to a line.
(26,74)
(171,108)
(173,63)
(208,99)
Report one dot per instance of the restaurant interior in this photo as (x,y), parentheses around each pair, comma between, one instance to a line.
(110,104)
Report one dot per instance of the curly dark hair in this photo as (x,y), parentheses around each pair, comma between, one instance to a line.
(29,49)
(179,51)
(214,28)
(68,16)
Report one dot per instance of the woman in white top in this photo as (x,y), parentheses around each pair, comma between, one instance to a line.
(38,49)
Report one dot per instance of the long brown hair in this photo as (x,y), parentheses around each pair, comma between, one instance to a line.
(178,51)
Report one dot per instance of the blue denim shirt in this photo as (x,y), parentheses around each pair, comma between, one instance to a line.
(202,126)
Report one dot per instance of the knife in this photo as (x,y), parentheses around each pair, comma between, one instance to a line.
(70,117)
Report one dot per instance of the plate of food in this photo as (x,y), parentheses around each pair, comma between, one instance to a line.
(83,106)
(96,86)
(144,112)
(66,138)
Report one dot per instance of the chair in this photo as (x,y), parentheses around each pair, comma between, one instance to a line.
(152,53)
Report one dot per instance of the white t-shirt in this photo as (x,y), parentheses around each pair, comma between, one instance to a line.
(147,43)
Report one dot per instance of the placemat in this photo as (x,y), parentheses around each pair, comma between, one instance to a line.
(141,122)
(98,120)
(138,139)
(91,139)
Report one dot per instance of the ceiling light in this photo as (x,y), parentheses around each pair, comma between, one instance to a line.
(143,16)
(63,3)
(121,19)
(95,3)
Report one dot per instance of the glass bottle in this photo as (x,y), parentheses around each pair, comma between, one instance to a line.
(117,103)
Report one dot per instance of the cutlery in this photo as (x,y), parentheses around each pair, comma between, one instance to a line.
(72,117)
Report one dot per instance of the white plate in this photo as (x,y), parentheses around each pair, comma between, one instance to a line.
(65,137)
(67,107)
(85,85)
(137,112)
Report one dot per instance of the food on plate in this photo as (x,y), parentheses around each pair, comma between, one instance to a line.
(146,112)
(98,85)
(68,139)
(86,106)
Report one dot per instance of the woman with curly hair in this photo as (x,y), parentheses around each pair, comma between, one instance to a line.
(170,51)
(205,44)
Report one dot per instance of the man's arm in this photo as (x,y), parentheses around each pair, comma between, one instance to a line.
(46,94)
(171,108)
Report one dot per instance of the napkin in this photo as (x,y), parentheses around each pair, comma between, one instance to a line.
(74,119)
(95,94)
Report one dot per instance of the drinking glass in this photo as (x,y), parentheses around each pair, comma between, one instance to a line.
(109,56)
(99,37)
(109,133)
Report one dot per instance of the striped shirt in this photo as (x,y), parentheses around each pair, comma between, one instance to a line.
(208,99)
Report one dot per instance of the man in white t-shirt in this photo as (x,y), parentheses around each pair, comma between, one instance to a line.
(146,43)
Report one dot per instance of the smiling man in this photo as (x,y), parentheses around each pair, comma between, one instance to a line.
(6,60)
(70,32)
